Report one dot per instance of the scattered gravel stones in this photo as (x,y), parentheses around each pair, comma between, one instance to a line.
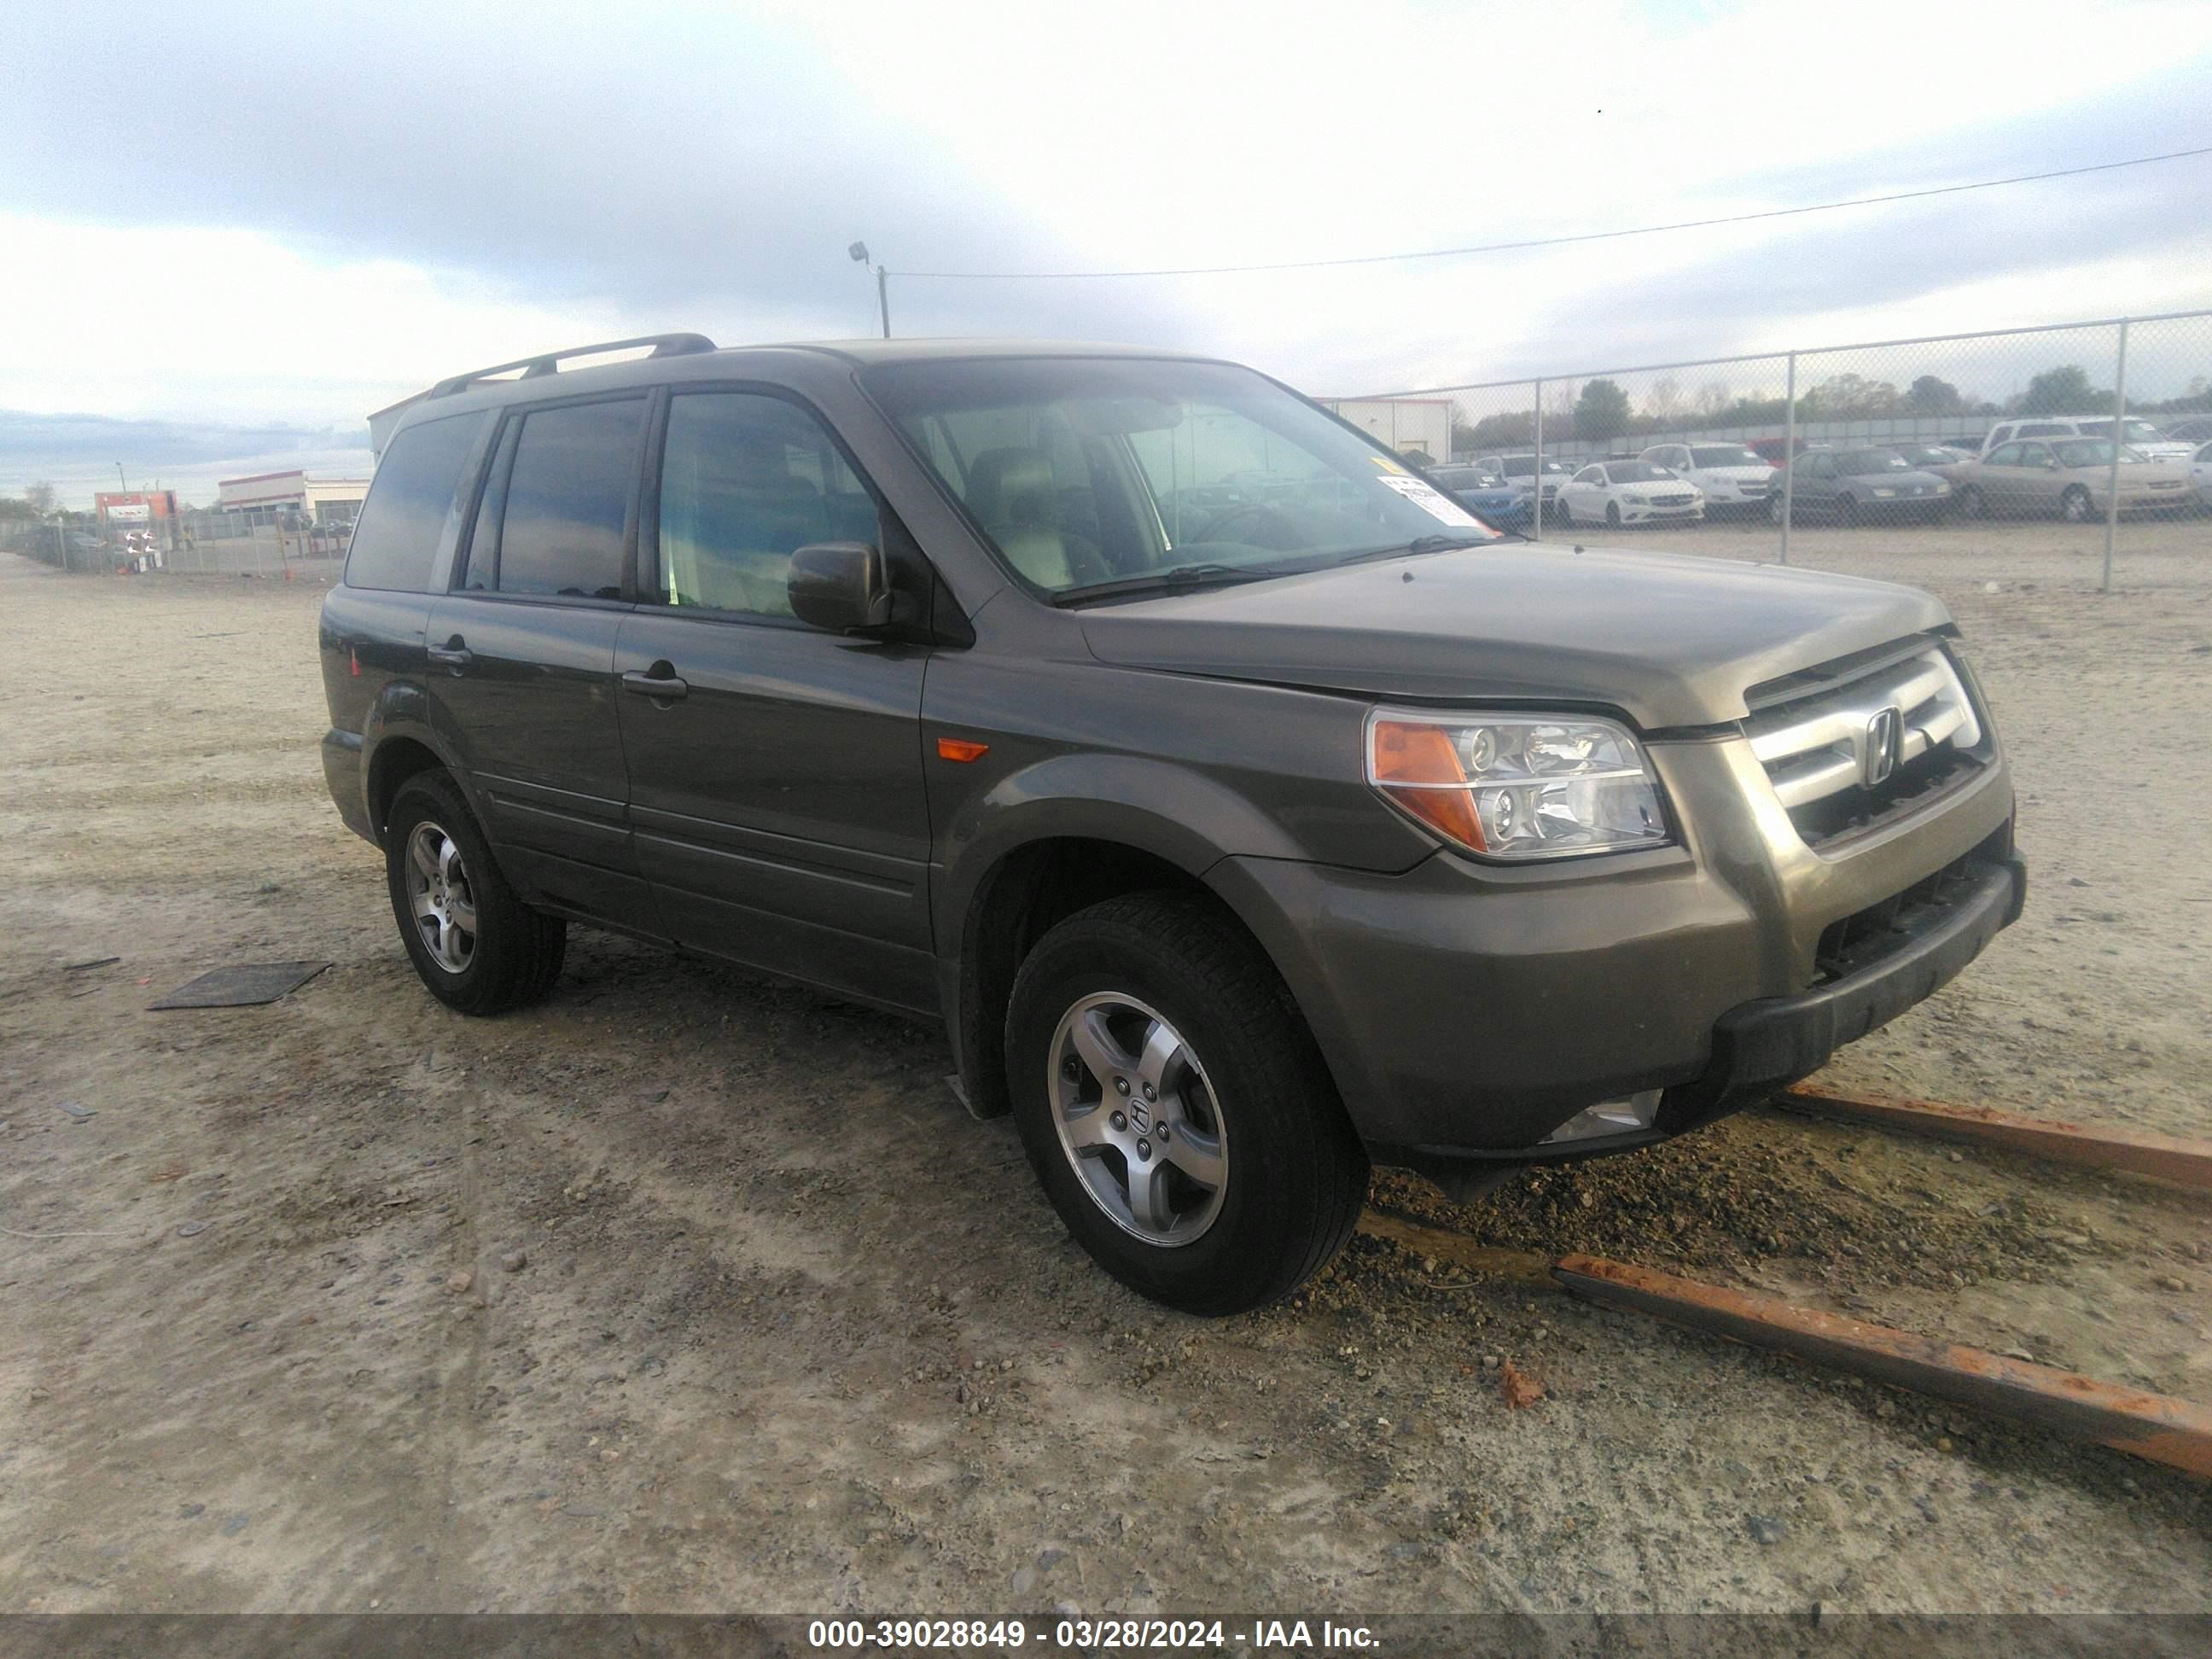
(1765,1529)
(514,1261)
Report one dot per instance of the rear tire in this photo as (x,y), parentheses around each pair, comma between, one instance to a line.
(1847,511)
(478,947)
(2074,505)
(1167,974)
(1971,504)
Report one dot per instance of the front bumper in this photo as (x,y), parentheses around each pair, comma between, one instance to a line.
(1467,1010)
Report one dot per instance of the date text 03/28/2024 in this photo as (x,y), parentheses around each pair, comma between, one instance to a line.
(1091,1635)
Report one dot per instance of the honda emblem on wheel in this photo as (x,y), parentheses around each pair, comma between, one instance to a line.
(1884,734)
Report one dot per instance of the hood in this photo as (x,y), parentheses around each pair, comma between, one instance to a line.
(1671,641)
(1745,474)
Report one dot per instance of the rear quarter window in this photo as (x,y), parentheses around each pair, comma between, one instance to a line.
(397,537)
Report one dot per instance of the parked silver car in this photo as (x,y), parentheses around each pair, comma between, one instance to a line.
(2069,477)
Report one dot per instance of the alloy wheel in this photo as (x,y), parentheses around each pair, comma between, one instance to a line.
(439,897)
(1138,1118)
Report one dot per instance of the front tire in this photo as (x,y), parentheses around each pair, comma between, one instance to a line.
(2074,505)
(1176,1108)
(1613,515)
(476,946)
(1971,504)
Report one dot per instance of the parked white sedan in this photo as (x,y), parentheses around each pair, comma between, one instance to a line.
(2200,474)
(1630,492)
(1728,475)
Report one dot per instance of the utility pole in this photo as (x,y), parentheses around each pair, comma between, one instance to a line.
(859,254)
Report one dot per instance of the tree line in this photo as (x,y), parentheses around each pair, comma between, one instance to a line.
(1603,410)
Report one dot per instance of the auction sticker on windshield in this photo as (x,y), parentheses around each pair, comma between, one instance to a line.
(1433,500)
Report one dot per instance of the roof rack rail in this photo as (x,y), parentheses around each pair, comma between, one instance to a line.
(549,362)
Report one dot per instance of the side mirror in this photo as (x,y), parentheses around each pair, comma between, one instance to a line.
(2049,463)
(842,587)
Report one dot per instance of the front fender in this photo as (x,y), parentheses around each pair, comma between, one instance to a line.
(1194,822)
(1188,820)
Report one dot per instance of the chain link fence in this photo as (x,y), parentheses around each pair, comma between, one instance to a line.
(258,542)
(2073,454)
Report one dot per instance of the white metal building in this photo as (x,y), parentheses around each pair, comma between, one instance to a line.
(1404,424)
(322,500)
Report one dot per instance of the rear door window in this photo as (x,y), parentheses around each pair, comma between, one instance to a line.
(405,513)
(569,498)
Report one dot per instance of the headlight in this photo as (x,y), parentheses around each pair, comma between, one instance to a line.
(1879,490)
(1517,786)
(1942,487)
(1634,501)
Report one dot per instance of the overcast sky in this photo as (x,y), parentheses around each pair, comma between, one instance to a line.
(238,228)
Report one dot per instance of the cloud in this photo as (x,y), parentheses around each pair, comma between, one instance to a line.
(79,454)
(665,161)
(308,213)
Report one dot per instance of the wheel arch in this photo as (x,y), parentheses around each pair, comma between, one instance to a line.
(1032,853)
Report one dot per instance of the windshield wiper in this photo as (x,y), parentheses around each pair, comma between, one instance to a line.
(1419,544)
(1181,576)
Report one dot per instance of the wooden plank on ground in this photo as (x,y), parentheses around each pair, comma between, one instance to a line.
(2145,1424)
(2139,1151)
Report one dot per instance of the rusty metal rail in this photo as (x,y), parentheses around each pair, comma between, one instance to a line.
(2150,1425)
(2168,1157)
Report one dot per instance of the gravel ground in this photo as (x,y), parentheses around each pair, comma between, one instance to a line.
(633,1302)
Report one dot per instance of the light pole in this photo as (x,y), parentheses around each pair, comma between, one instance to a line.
(859,252)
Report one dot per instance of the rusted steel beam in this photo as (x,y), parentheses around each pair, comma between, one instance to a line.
(2150,1425)
(2139,1151)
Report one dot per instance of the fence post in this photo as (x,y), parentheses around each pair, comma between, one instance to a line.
(1788,452)
(1536,472)
(2113,485)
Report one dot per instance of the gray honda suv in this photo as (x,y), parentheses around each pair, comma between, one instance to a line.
(1244,809)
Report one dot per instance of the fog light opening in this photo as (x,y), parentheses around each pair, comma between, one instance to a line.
(1608,1117)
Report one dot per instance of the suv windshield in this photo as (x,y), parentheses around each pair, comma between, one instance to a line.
(1858,461)
(1724,455)
(1637,472)
(1088,472)
(1524,466)
(2138,432)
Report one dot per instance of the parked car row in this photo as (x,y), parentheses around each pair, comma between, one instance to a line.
(2049,463)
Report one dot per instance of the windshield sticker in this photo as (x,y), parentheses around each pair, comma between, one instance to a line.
(1438,504)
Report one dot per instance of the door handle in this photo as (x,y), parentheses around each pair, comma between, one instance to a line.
(660,687)
(454,654)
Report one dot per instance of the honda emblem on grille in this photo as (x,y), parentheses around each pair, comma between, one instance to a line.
(1884,733)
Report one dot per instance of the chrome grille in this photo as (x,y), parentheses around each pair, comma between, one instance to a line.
(1845,739)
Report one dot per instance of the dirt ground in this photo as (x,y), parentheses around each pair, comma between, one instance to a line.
(786,1331)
